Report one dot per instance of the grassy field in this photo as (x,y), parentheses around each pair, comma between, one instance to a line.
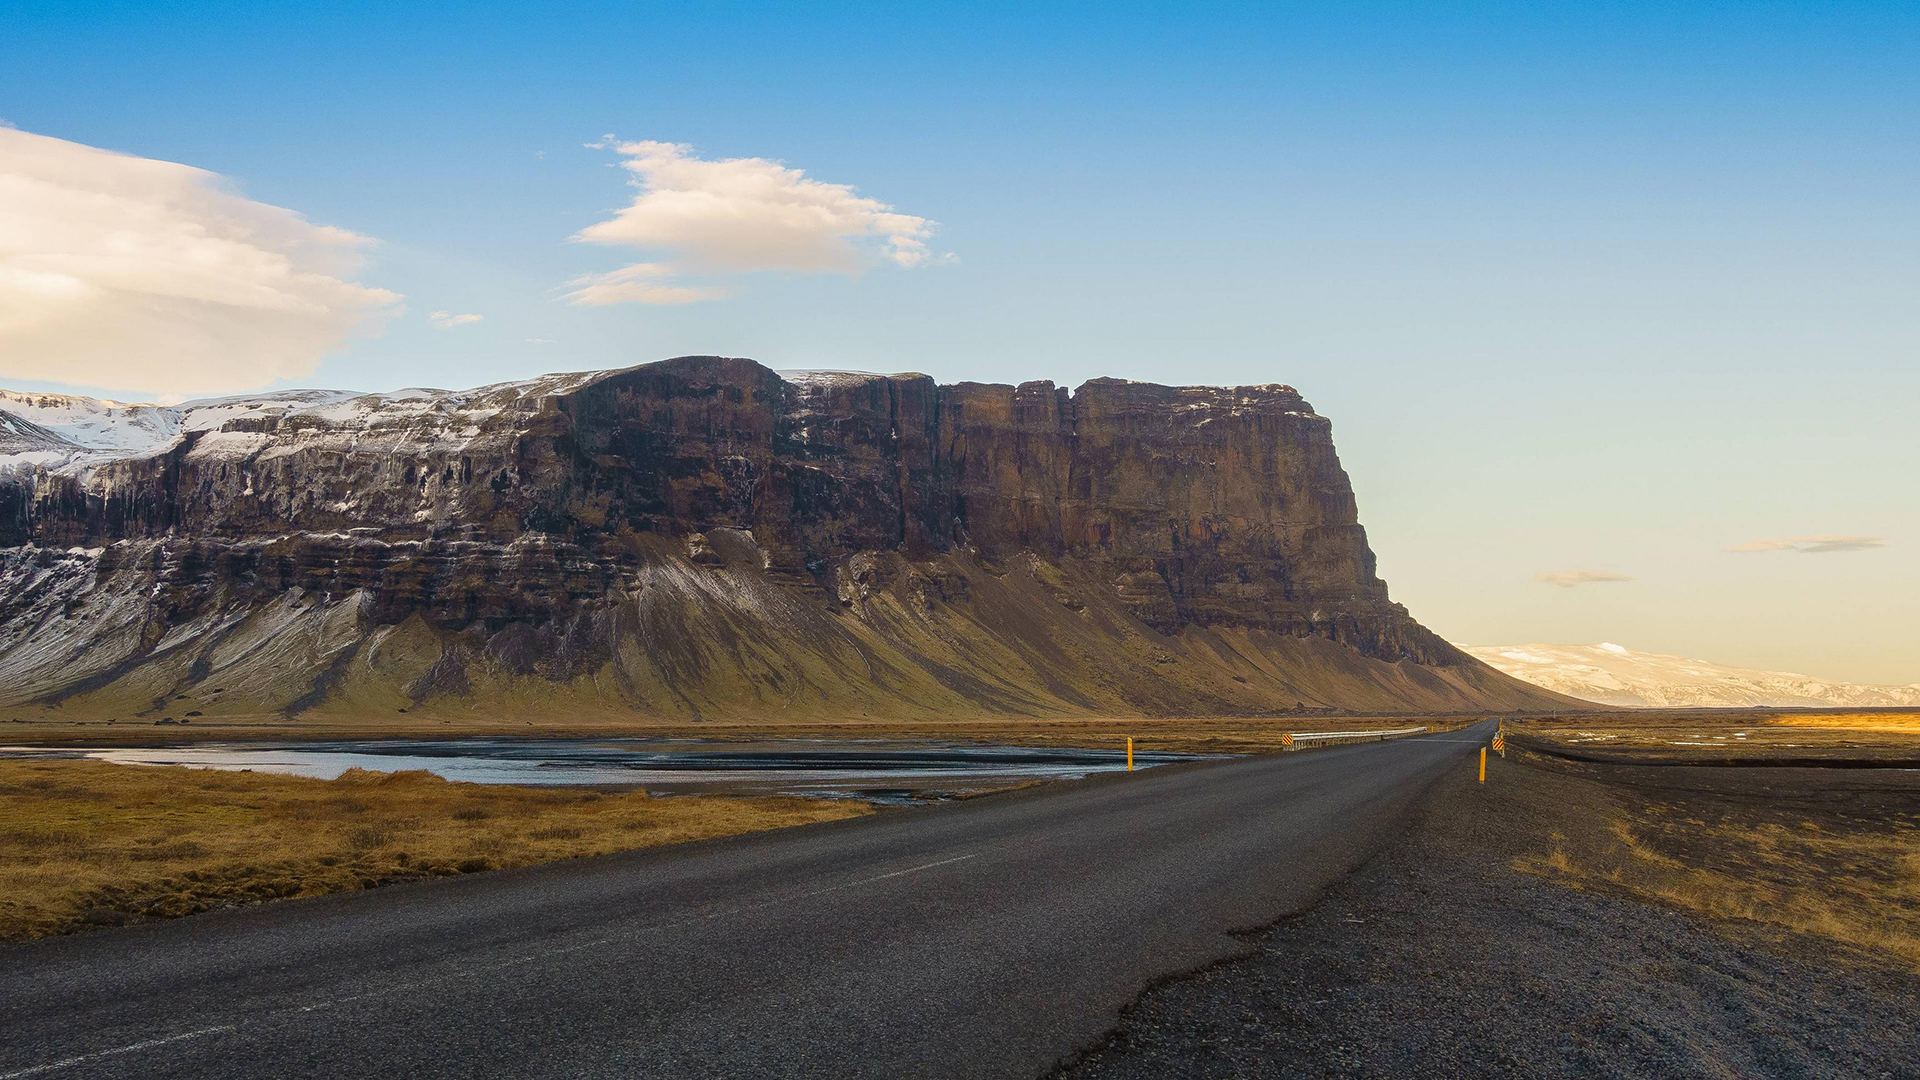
(84,843)
(1829,852)
(1178,734)
(1883,722)
(1758,734)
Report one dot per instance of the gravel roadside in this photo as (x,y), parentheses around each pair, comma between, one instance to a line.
(1438,960)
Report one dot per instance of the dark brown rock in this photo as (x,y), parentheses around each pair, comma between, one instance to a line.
(702,522)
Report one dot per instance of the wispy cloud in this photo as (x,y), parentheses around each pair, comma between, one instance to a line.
(734,216)
(1568,579)
(137,274)
(640,283)
(447,320)
(1812,545)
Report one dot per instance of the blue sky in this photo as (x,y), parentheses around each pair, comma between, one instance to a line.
(1607,290)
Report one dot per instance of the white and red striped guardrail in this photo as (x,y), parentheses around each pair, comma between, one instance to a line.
(1293,740)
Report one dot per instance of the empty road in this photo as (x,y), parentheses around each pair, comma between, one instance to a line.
(986,938)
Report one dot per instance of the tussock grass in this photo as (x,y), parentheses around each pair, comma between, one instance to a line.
(86,843)
(1856,883)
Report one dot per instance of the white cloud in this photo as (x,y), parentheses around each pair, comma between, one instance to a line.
(640,283)
(1568,579)
(135,274)
(1812,545)
(734,216)
(446,320)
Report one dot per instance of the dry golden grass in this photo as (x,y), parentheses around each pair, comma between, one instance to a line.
(1232,734)
(1187,735)
(87,843)
(1894,723)
(1853,883)
(1737,732)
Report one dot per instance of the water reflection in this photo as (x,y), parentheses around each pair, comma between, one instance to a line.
(883,770)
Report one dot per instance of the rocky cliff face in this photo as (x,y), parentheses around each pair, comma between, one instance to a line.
(703,536)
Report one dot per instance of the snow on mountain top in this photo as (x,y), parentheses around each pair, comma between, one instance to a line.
(59,431)
(822,378)
(96,429)
(1614,675)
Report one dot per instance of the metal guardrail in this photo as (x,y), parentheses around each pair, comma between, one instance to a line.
(1293,740)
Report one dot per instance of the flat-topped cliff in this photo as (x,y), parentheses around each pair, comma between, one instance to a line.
(703,536)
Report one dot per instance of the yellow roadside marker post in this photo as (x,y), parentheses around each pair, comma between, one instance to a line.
(1286,739)
(1483,764)
(1129,753)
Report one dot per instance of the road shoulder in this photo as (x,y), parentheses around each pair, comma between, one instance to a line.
(1439,958)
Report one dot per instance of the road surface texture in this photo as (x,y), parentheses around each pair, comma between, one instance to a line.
(1439,960)
(992,937)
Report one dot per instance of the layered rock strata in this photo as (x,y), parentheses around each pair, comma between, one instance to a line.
(706,537)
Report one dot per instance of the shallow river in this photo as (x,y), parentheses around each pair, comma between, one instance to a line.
(880,770)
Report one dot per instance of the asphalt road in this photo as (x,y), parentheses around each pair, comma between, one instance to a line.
(989,938)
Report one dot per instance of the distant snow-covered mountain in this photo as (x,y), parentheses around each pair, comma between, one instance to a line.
(68,432)
(1613,675)
(54,430)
